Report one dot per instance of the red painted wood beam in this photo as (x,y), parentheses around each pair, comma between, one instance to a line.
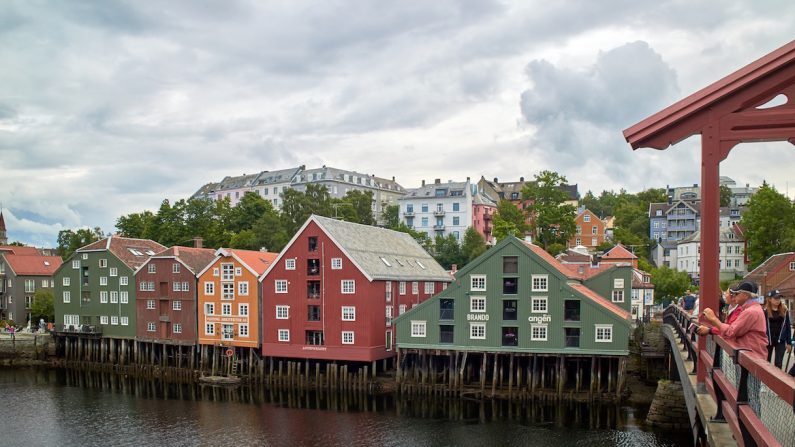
(756,428)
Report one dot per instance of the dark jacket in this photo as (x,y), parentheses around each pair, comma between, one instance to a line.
(784,336)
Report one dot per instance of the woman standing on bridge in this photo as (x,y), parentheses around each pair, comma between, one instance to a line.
(749,329)
(778,336)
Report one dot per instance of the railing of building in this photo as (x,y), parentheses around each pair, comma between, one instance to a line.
(754,397)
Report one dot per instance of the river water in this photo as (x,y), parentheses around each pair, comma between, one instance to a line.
(41,407)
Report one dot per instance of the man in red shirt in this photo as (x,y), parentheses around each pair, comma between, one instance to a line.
(748,330)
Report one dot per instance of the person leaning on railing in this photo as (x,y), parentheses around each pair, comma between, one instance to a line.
(749,329)
(778,337)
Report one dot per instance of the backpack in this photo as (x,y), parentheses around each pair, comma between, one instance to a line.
(690,301)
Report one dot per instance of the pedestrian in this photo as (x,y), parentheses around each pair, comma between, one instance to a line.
(732,309)
(778,335)
(688,301)
(749,329)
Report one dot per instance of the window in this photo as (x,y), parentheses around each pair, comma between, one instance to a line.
(242,310)
(389,315)
(539,304)
(103,263)
(336,263)
(215,271)
(151,285)
(114,320)
(424,207)
(348,313)
(429,286)
(402,287)
(209,288)
(510,264)
(586,218)
(150,304)
(571,310)
(71,320)
(572,335)
(618,296)
(85,255)
(152,268)
(66,281)
(618,283)
(348,286)
(509,310)
(76,264)
(185,287)
(228,291)
(175,267)
(540,283)
(103,280)
(604,333)
(289,264)
(103,319)
(281,285)
(123,297)
(347,337)
(510,286)
(176,305)
(538,332)
(150,327)
(313,313)
(177,286)
(418,328)
(312,243)
(142,286)
(424,221)
(30,285)
(792,266)
(477,304)
(226,309)
(578,241)
(401,309)
(456,221)
(242,288)
(238,271)
(176,328)
(477,283)
(242,330)
(456,206)
(282,312)
(209,308)
(284,335)
(388,286)
(123,281)
(510,336)
(594,241)
(103,296)
(227,272)
(209,329)
(477,331)
(579,230)
(67,296)
(44,282)
(594,230)
(314,338)
(114,271)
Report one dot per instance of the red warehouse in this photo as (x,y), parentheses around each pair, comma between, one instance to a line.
(333,290)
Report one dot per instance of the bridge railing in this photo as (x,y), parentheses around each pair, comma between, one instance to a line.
(754,397)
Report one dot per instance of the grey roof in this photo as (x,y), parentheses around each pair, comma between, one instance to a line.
(508,187)
(369,246)
(205,190)
(653,207)
(328,173)
(481,198)
(239,181)
(726,234)
(280,176)
(429,190)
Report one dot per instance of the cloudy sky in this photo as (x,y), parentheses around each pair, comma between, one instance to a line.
(109,107)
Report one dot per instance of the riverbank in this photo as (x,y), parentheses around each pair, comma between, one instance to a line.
(26,349)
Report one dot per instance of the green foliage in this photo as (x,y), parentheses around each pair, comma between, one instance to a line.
(509,219)
(769,223)
(668,283)
(71,240)
(473,245)
(361,204)
(447,252)
(391,216)
(42,306)
(421,237)
(725,195)
(135,225)
(297,206)
(555,248)
(552,221)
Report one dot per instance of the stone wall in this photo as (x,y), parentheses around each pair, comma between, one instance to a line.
(25,348)
(668,409)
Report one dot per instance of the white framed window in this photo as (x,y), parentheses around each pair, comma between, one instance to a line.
(176,328)
(30,285)
(103,263)
(336,263)
(67,296)
(103,280)
(401,309)
(103,319)
(348,286)
(85,256)
(176,305)
(289,264)
(477,304)
(477,283)
(125,321)
(388,291)
(44,283)
(124,281)
(282,312)
(142,286)
(477,331)
(415,288)
(151,285)
(114,320)
(175,267)
(242,330)
(594,241)
(539,304)
(114,271)
(242,288)
(150,304)
(150,327)
(418,328)
(227,272)
(604,333)
(618,296)
(347,337)
(586,218)
(281,285)
(226,309)
(209,308)
(185,286)
(227,291)
(209,329)
(114,296)
(209,288)
(242,310)
(73,320)
(177,286)
(429,286)
(402,287)
(618,283)
(238,271)
(215,271)
(348,313)
(103,296)
(151,268)
(123,297)
(389,315)
(76,264)
(284,335)
(67,281)
(792,266)
(540,283)
(538,332)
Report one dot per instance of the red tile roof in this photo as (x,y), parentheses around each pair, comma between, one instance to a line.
(29,265)
(20,251)
(127,249)
(259,261)
(618,252)
(593,296)
(195,258)
(557,265)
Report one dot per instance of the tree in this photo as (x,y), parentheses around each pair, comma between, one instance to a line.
(725,195)
(391,216)
(71,240)
(42,306)
(297,206)
(769,224)
(421,237)
(509,219)
(552,220)
(668,283)
(247,211)
(447,252)
(270,231)
(361,203)
(135,225)
(473,246)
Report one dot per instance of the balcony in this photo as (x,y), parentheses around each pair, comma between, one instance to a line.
(438,227)
(409,213)
(438,213)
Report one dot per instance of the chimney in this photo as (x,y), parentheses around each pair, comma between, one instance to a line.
(437,181)
(423,182)
(198,242)
(521,179)
(495,180)
(467,179)
(453,268)
(393,178)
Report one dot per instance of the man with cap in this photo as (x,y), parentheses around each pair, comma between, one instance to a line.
(749,330)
